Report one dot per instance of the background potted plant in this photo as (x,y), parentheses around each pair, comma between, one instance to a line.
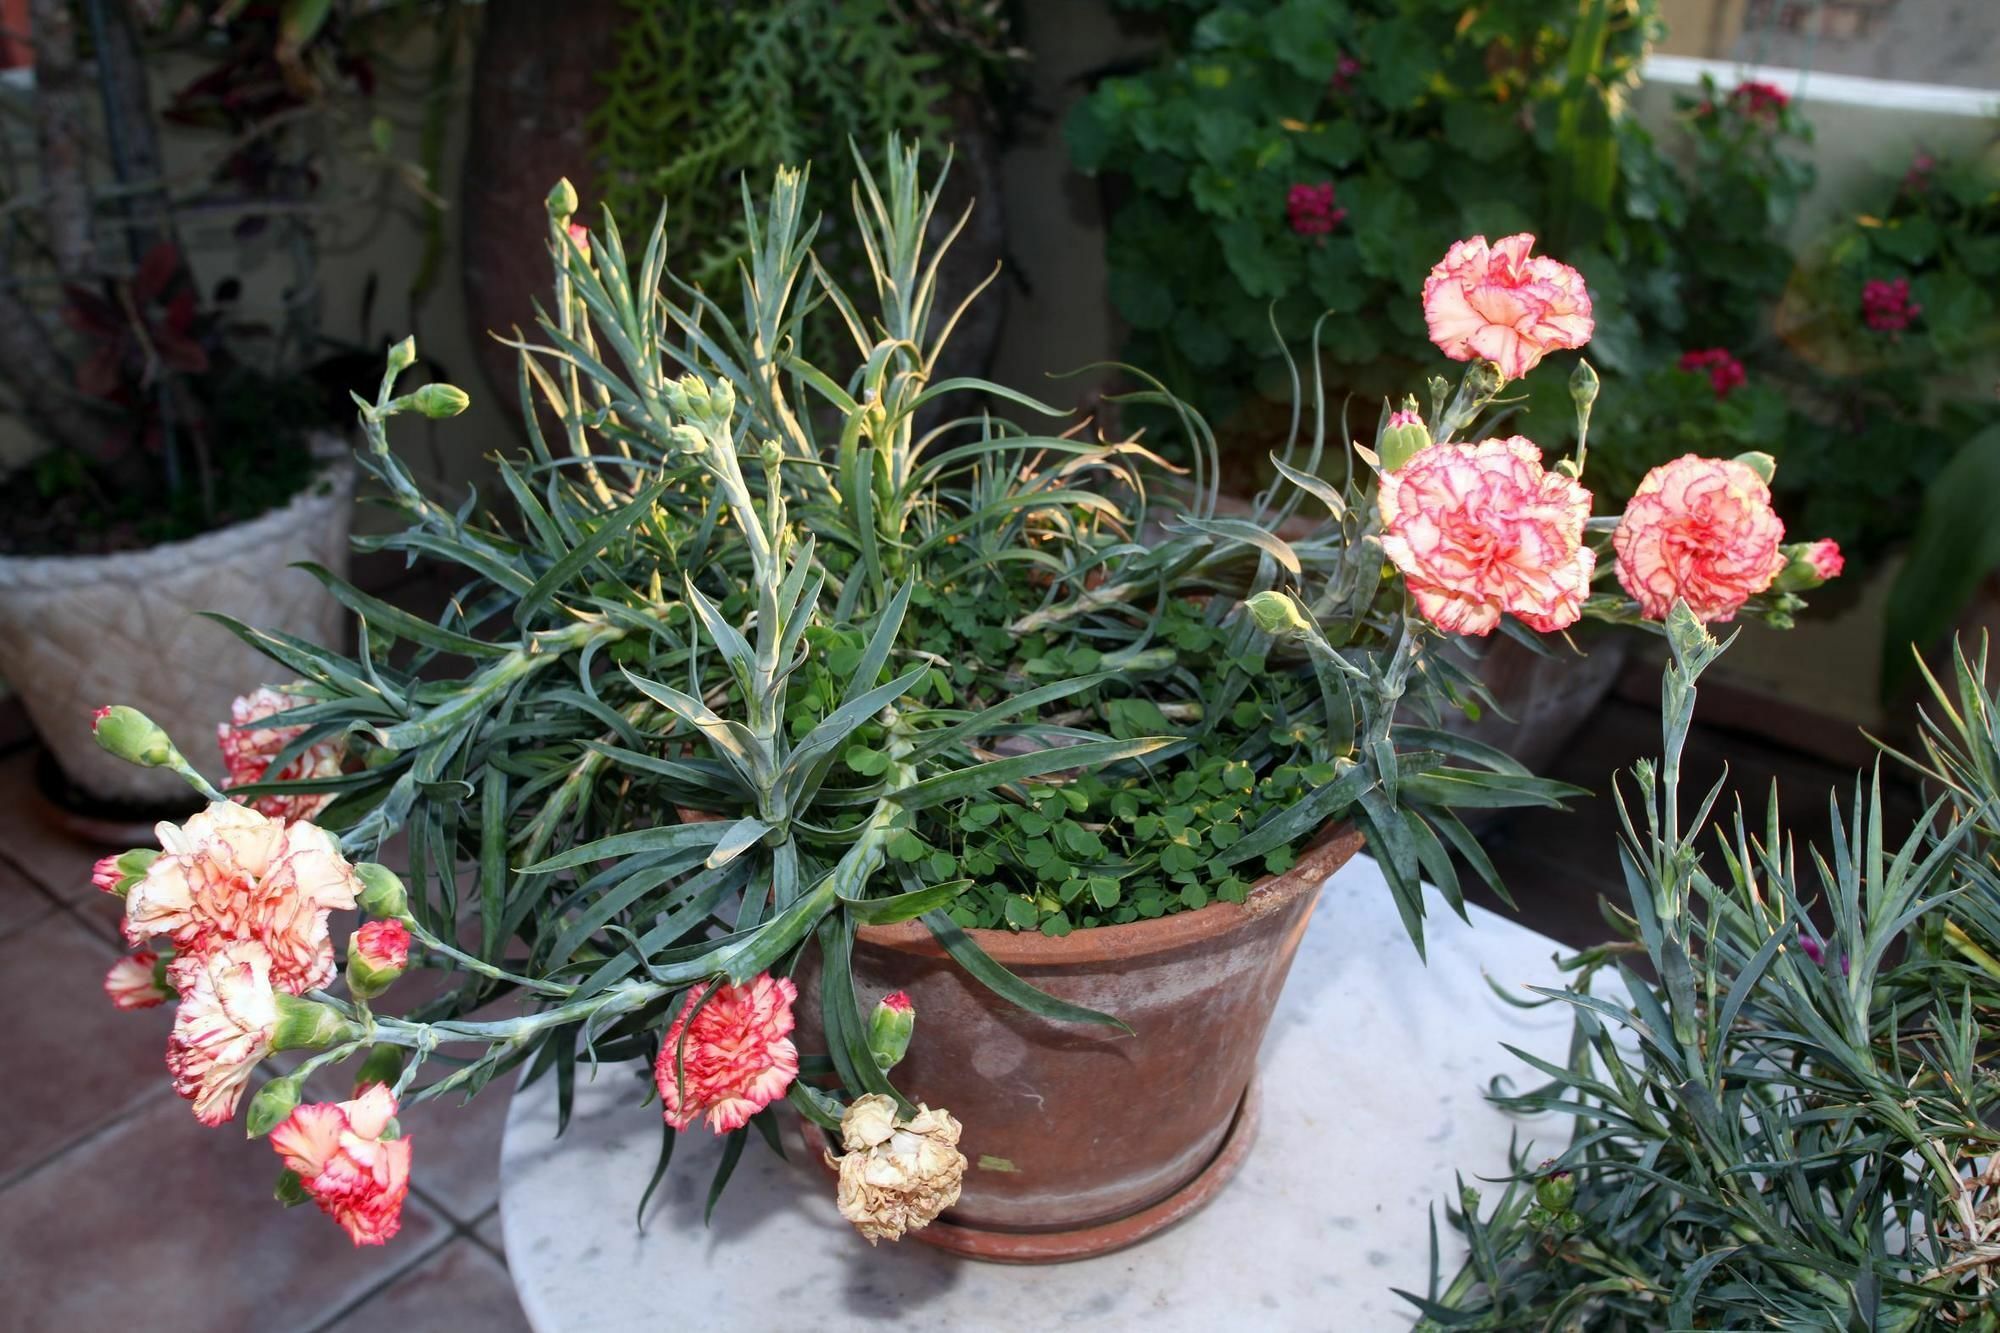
(183,449)
(777,697)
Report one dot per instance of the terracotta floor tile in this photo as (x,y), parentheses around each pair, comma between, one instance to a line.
(162,1223)
(59,863)
(76,1062)
(460,1287)
(21,902)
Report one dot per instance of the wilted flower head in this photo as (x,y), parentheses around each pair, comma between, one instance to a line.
(137,982)
(247,753)
(1701,530)
(345,1165)
(1504,305)
(731,1057)
(1481,529)
(228,1014)
(230,873)
(896,1175)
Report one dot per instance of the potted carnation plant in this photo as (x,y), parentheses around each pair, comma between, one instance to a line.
(824,762)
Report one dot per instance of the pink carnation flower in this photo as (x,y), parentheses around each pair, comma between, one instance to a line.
(1503,304)
(229,873)
(1725,372)
(1760,101)
(383,944)
(1311,210)
(1887,305)
(1825,558)
(227,1016)
(247,754)
(1701,530)
(737,1057)
(357,1177)
(134,982)
(1481,529)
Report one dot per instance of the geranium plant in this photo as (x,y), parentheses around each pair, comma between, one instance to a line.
(772,651)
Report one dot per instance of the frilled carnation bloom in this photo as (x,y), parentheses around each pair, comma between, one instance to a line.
(135,982)
(247,753)
(896,1175)
(737,1057)
(1725,372)
(1503,304)
(230,873)
(1481,529)
(357,1177)
(228,1014)
(1702,530)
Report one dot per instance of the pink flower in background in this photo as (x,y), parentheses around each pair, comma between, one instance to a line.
(134,982)
(737,1058)
(1344,73)
(1887,305)
(1825,558)
(1481,529)
(1760,101)
(1918,178)
(229,873)
(227,1016)
(247,754)
(1725,372)
(357,1177)
(1503,304)
(1311,210)
(1701,530)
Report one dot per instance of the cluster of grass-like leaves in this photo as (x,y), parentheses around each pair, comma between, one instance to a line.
(760,653)
(1789,1124)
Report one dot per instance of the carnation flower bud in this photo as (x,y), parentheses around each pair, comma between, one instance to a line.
(1760,463)
(402,356)
(376,955)
(290,1190)
(1808,565)
(1277,613)
(384,1065)
(132,736)
(138,982)
(382,893)
(1555,1190)
(1583,387)
(273,1102)
(562,200)
(889,1029)
(117,874)
(438,401)
(307,1025)
(1403,436)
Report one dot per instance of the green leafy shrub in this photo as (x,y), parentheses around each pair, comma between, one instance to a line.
(1792,1127)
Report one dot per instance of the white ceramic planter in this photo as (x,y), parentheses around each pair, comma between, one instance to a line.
(77,632)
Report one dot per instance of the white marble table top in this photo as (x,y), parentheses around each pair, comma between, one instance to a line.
(1372,1077)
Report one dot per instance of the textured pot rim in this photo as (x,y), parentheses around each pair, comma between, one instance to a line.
(201,549)
(1332,848)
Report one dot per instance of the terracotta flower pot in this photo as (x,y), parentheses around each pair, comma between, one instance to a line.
(1082,1139)
(78,631)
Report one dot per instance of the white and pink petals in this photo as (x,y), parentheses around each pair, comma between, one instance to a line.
(223,1029)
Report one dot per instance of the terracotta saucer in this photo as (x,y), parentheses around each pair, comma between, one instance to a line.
(1052,1247)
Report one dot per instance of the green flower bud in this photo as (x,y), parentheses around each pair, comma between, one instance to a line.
(1482,380)
(889,1029)
(382,893)
(1808,565)
(402,356)
(289,1190)
(1583,387)
(273,1102)
(376,955)
(132,736)
(438,401)
(1760,463)
(562,201)
(1555,1191)
(1277,613)
(687,439)
(1402,437)
(308,1025)
(384,1065)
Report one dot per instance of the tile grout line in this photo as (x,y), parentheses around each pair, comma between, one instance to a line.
(388,1280)
(137,1107)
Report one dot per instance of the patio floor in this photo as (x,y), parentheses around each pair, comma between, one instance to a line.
(118,1210)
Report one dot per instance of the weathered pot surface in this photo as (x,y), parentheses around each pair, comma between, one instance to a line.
(1074,1128)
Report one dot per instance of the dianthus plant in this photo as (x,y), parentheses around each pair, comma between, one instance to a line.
(767,652)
